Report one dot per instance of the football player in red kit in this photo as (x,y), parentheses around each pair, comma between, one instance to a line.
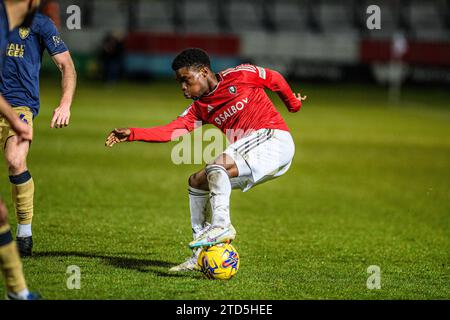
(235,102)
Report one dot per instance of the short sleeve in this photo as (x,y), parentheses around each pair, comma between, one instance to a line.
(51,38)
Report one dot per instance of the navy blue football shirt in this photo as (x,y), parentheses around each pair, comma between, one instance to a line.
(19,83)
(4,32)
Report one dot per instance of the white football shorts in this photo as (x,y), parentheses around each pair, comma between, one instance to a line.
(261,156)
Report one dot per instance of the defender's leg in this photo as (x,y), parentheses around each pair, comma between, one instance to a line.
(22,186)
(10,263)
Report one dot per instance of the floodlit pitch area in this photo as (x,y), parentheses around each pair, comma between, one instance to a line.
(370,185)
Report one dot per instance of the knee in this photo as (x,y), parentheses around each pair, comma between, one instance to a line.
(211,168)
(194,181)
(227,163)
(16,165)
(199,181)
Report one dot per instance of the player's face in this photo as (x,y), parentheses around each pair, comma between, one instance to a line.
(193,82)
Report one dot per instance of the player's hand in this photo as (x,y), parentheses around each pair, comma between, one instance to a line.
(299,97)
(61,117)
(23,130)
(117,135)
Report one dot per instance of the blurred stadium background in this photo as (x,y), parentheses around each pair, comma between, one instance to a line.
(370,181)
(304,39)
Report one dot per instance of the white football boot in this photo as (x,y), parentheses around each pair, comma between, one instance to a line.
(189,265)
(29,296)
(214,235)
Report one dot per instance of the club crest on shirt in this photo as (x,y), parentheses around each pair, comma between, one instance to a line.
(24,32)
(57,40)
(232,89)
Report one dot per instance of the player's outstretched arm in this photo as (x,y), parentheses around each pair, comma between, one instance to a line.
(185,123)
(23,130)
(116,136)
(61,115)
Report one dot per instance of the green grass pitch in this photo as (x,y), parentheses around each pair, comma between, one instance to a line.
(370,185)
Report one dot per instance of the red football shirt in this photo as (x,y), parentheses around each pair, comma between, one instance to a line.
(237,106)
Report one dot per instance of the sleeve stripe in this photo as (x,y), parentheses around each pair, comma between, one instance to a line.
(262,72)
(185,112)
(248,66)
(240,68)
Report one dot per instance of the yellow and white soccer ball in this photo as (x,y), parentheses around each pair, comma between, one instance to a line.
(219,262)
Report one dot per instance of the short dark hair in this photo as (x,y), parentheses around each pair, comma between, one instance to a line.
(192,57)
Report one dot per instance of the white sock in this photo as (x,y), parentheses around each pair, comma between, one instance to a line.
(24,230)
(198,204)
(220,191)
(21,294)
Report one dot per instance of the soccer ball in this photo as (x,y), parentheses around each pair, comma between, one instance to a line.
(219,262)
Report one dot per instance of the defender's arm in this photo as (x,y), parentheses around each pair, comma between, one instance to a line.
(61,115)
